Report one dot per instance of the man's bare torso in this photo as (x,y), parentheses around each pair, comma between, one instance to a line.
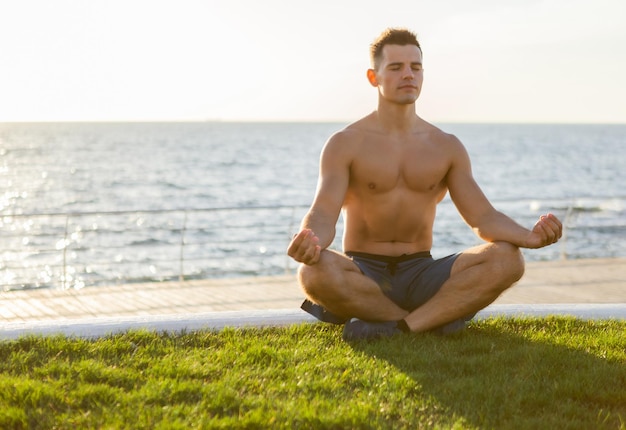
(396,182)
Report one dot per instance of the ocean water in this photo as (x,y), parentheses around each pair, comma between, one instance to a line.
(86,204)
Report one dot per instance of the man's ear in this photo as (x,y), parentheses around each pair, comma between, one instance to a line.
(371,76)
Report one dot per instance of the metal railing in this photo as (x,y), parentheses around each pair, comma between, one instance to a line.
(77,249)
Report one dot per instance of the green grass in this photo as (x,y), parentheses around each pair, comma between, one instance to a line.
(550,373)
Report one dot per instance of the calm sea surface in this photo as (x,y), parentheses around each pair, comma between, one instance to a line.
(91,204)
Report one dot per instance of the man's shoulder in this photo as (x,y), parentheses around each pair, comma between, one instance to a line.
(437,133)
(360,127)
(350,134)
(342,144)
(363,130)
(440,137)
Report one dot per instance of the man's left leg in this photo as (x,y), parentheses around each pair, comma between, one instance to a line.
(478,276)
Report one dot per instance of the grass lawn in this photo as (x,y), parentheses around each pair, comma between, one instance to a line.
(548,373)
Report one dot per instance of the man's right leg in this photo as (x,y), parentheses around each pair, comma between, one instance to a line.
(336,283)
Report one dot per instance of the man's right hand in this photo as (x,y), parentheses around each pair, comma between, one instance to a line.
(305,248)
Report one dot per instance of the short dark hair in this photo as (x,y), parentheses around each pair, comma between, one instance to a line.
(391,36)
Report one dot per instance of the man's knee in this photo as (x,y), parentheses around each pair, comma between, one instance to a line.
(307,276)
(317,280)
(508,261)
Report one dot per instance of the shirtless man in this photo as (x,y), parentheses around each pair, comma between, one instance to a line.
(387,172)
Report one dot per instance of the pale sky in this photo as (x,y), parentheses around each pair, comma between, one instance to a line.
(193,60)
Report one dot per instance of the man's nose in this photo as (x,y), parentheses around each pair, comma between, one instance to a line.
(408,73)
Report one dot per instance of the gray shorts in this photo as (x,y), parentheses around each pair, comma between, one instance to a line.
(408,280)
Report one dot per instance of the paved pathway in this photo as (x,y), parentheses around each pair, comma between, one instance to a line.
(575,284)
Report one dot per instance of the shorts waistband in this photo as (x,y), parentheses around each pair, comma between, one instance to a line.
(390,258)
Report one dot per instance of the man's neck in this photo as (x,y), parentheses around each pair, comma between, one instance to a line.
(395,118)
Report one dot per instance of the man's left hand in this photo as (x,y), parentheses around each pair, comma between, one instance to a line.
(547,230)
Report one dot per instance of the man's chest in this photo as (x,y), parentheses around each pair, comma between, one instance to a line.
(382,168)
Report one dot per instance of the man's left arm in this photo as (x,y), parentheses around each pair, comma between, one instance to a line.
(488,223)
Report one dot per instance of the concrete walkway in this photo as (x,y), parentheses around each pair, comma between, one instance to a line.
(593,288)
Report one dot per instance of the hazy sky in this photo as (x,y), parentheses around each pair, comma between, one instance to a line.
(485,60)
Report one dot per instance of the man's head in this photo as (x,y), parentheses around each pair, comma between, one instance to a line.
(396,66)
(391,36)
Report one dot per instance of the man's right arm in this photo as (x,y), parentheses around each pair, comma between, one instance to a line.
(317,230)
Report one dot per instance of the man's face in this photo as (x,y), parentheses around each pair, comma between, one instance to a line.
(399,76)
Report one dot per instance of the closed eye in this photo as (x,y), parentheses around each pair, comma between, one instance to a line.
(398,66)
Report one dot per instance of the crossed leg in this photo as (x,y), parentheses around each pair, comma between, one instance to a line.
(478,276)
